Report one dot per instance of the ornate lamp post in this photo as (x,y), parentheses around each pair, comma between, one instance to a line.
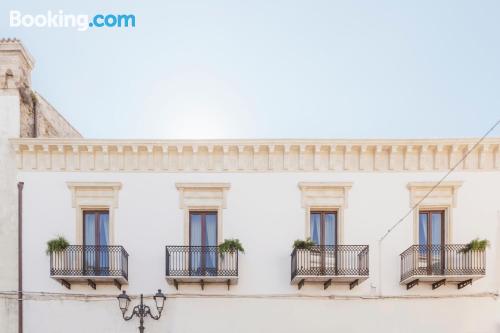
(141,311)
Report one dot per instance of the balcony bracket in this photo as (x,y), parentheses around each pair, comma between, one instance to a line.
(202,284)
(176,284)
(92,284)
(301,283)
(353,283)
(411,284)
(228,284)
(117,284)
(464,283)
(327,284)
(66,283)
(438,284)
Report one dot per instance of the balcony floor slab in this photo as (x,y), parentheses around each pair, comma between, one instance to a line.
(84,278)
(436,278)
(324,278)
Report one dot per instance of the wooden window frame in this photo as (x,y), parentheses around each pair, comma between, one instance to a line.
(429,252)
(203,258)
(429,213)
(97,253)
(204,213)
(98,213)
(322,213)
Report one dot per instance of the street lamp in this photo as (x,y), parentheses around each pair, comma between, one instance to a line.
(141,311)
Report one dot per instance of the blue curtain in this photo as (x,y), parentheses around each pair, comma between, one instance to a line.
(436,233)
(436,228)
(195,237)
(330,229)
(89,239)
(211,240)
(104,241)
(422,229)
(422,233)
(316,228)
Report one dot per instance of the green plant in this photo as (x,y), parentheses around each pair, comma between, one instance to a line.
(57,244)
(301,244)
(476,245)
(231,245)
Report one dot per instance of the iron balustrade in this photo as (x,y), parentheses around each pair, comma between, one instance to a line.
(200,261)
(90,260)
(331,260)
(443,260)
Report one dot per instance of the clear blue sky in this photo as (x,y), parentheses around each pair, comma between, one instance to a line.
(226,69)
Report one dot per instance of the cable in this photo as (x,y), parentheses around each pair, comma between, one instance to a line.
(439,182)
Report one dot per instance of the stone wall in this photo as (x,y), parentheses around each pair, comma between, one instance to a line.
(40,119)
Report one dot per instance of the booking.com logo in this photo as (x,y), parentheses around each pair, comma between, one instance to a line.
(61,20)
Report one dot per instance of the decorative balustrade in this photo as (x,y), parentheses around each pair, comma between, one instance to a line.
(90,261)
(442,260)
(331,260)
(200,261)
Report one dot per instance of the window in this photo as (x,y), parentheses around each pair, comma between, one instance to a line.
(202,228)
(203,242)
(431,227)
(431,234)
(96,227)
(324,227)
(96,241)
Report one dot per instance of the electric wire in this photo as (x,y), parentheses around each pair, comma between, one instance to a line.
(439,182)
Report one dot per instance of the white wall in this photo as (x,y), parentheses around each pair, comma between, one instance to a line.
(9,127)
(265,213)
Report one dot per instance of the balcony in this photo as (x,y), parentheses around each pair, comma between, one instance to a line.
(90,264)
(200,265)
(439,264)
(346,264)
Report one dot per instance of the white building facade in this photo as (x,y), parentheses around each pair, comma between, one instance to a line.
(145,215)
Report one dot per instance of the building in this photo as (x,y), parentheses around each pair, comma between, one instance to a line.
(141,215)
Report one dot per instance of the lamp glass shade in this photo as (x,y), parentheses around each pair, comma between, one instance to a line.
(159,298)
(123,301)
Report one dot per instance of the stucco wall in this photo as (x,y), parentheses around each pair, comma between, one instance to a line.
(264,211)
(9,118)
(188,315)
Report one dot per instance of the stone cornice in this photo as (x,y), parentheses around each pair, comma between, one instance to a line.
(56,154)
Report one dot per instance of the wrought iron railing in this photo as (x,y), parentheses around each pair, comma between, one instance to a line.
(200,261)
(449,259)
(331,260)
(90,260)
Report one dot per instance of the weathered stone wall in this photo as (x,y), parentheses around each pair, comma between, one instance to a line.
(40,119)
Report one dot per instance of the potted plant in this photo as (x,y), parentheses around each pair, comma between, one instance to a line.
(476,245)
(231,246)
(57,244)
(301,244)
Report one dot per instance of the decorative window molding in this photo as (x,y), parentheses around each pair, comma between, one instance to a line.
(325,196)
(444,197)
(94,195)
(202,197)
